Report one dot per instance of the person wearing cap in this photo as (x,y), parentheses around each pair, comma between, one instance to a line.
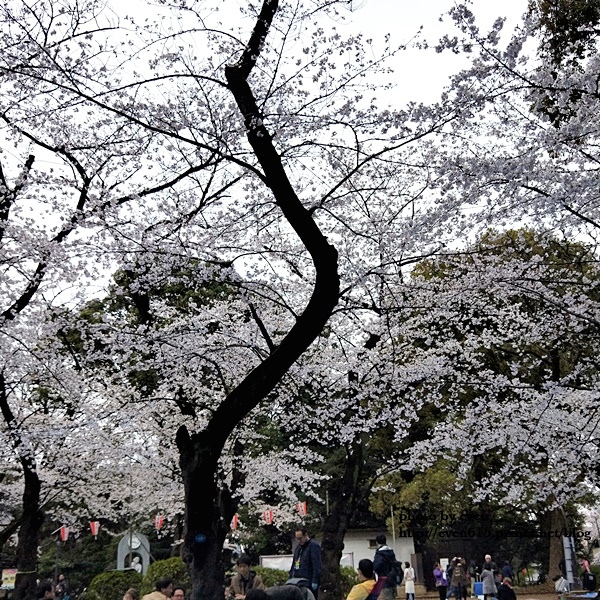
(245,579)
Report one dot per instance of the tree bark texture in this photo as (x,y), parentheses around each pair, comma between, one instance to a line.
(31,518)
(29,533)
(554,520)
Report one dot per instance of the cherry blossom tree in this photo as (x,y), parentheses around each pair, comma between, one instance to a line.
(185,144)
(206,141)
(509,331)
(528,154)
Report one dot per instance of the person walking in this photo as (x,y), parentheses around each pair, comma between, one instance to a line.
(386,567)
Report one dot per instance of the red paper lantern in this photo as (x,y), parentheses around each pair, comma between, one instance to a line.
(95,527)
(64,533)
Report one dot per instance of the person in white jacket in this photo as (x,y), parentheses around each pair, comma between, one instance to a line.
(409,581)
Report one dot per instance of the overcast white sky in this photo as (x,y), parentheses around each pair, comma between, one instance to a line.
(424,73)
(420,74)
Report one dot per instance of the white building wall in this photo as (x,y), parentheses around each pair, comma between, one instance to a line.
(360,543)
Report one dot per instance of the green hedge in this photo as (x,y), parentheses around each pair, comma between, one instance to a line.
(173,568)
(111,585)
(272,577)
(349,578)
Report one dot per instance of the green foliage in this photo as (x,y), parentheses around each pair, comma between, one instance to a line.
(348,578)
(272,577)
(113,584)
(79,558)
(568,27)
(173,568)
(568,36)
(428,494)
(428,502)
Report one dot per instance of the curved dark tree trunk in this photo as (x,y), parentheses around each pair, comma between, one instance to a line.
(208,505)
(342,502)
(31,517)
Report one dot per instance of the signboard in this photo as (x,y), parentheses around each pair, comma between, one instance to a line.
(8,578)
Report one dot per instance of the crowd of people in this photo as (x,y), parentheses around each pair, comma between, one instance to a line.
(377,579)
(459,581)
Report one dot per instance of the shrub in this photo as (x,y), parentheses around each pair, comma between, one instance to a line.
(348,578)
(272,577)
(172,568)
(111,585)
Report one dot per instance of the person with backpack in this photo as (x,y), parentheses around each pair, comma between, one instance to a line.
(384,557)
(386,567)
(366,578)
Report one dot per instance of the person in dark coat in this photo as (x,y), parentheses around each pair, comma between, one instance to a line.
(306,563)
(384,557)
(507,571)
(505,590)
(384,565)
